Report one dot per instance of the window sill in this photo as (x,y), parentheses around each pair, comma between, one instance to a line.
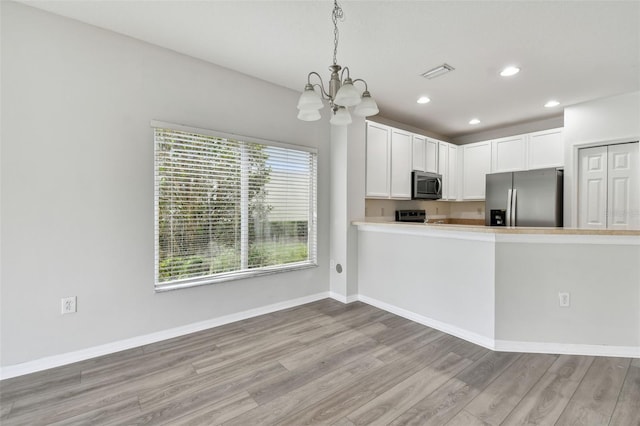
(232,276)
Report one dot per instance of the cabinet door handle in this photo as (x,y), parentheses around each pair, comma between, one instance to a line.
(514,208)
(509,208)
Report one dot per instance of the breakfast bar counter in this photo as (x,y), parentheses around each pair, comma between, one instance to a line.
(503,287)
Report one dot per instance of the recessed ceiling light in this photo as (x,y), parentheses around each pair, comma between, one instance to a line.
(423,100)
(551,104)
(509,71)
(474,121)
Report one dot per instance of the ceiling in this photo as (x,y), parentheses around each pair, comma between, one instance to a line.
(572,51)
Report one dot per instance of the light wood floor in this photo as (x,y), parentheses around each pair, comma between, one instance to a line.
(327,363)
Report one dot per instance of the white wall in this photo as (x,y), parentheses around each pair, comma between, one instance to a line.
(599,122)
(515,129)
(347,204)
(77,182)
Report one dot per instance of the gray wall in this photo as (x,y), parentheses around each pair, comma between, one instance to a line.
(77,182)
(603,281)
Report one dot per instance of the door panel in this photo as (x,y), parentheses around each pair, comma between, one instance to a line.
(623,187)
(592,192)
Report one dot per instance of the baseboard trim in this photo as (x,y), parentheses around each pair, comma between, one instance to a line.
(467,335)
(567,349)
(134,342)
(344,299)
(508,345)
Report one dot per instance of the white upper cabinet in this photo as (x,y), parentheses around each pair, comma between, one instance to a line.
(431,156)
(378,161)
(476,163)
(452,185)
(388,162)
(546,149)
(509,154)
(537,150)
(448,168)
(418,144)
(400,164)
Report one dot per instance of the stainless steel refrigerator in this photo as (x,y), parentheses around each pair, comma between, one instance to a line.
(530,198)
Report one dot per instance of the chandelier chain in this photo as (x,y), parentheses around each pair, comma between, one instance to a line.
(335,15)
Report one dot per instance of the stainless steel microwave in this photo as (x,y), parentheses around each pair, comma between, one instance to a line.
(426,186)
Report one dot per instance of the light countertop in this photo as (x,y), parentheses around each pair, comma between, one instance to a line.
(495,229)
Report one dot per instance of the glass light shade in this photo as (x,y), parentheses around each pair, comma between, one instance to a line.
(347,95)
(341,117)
(309,100)
(367,106)
(308,115)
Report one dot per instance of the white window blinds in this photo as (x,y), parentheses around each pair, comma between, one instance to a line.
(227,208)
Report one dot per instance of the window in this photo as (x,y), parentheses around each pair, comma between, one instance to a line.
(227,208)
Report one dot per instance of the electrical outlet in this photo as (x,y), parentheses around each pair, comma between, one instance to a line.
(69,305)
(565,300)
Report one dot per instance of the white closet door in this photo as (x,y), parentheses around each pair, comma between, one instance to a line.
(592,193)
(623,203)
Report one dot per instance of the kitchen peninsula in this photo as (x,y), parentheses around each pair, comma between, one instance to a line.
(502,287)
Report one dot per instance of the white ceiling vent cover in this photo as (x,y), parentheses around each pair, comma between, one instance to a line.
(437,71)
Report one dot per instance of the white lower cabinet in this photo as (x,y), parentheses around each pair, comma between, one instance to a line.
(476,163)
(609,187)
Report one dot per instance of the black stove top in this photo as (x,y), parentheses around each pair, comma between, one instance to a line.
(410,216)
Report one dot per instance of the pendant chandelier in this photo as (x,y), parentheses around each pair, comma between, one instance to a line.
(342,93)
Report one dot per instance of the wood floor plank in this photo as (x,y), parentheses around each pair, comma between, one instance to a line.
(596,396)
(288,383)
(218,412)
(264,351)
(305,396)
(544,403)
(209,384)
(104,415)
(5,408)
(73,402)
(315,353)
(448,400)
(343,402)
(343,422)
(40,382)
(178,401)
(627,410)
(498,399)
(464,418)
(392,403)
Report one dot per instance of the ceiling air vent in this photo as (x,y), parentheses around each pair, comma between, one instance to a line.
(437,71)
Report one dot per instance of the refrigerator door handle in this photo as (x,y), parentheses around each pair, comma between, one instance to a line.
(509,208)
(514,208)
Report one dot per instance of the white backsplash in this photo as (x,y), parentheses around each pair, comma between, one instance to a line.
(386,209)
